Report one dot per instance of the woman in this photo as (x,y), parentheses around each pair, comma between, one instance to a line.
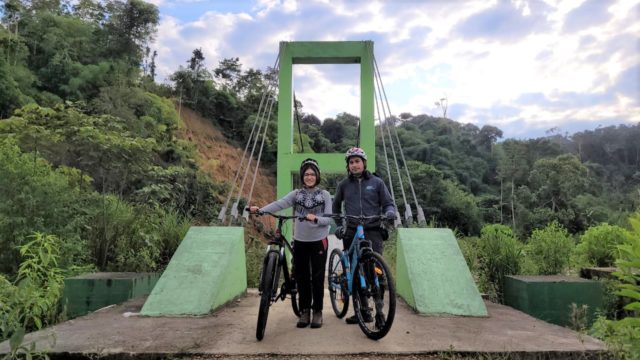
(310,240)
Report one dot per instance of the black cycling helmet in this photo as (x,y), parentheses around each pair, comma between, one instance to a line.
(310,163)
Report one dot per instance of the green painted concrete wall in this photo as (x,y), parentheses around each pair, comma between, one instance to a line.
(432,275)
(207,270)
(549,298)
(88,292)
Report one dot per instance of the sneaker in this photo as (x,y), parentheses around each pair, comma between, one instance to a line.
(317,319)
(305,318)
(354,319)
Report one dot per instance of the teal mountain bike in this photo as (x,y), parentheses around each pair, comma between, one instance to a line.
(363,275)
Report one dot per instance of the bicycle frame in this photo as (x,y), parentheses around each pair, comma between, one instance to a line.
(352,256)
(278,244)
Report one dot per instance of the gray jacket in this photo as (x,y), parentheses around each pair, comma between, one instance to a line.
(305,201)
(367,195)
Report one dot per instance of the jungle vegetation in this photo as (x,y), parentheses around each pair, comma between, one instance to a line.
(93,177)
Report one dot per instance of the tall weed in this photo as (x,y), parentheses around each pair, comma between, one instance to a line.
(499,254)
(127,237)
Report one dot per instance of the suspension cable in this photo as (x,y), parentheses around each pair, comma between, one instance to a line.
(386,160)
(407,213)
(223,210)
(421,217)
(245,213)
(295,109)
(234,208)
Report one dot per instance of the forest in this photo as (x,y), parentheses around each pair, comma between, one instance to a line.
(94,178)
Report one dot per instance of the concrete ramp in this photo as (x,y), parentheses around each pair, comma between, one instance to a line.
(207,270)
(432,275)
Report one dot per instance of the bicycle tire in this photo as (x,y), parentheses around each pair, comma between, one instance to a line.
(383,307)
(293,291)
(337,279)
(268,275)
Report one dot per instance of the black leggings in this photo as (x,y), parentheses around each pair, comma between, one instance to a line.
(309,259)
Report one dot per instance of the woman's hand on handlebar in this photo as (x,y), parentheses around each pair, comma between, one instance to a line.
(311,217)
(254,209)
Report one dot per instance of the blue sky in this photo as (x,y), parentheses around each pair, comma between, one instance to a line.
(523,66)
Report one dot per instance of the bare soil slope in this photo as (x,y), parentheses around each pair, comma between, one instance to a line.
(220,158)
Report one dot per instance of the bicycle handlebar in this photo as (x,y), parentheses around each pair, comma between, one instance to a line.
(360,218)
(277,216)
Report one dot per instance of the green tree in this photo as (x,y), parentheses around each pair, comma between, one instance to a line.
(130,26)
(100,146)
(512,171)
(556,181)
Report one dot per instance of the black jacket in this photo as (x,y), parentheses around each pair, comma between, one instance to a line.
(367,195)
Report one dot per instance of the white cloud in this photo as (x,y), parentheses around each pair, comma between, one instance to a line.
(422,57)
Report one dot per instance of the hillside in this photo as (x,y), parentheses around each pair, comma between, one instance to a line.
(219,158)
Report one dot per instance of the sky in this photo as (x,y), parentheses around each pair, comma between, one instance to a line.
(527,67)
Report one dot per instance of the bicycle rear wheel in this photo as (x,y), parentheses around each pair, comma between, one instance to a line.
(337,279)
(268,282)
(378,299)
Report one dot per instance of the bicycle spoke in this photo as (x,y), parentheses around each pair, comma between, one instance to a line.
(372,299)
(337,280)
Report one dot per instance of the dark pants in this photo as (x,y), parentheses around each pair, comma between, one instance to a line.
(372,235)
(310,258)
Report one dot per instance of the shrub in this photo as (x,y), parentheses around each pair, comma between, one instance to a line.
(390,251)
(127,237)
(598,244)
(623,336)
(499,254)
(469,248)
(255,251)
(35,197)
(32,301)
(549,249)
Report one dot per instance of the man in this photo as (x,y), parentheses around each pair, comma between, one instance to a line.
(362,194)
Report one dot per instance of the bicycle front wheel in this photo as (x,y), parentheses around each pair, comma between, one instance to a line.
(267,282)
(294,297)
(337,279)
(377,299)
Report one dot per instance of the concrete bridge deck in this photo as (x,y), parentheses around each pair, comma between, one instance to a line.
(119,332)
